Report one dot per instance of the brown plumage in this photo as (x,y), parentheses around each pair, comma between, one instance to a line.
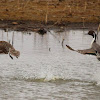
(7,48)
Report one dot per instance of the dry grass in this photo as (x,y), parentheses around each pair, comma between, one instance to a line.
(57,12)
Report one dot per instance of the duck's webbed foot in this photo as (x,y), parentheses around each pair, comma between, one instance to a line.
(10,56)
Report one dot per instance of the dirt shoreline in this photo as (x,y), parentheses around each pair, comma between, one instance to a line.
(51,11)
(32,15)
(21,25)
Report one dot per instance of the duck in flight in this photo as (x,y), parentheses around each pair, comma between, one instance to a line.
(95,48)
(7,48)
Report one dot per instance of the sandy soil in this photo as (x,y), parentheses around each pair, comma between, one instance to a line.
(52,11)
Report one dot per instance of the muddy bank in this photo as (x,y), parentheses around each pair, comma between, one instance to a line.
(8,25)
(31,15)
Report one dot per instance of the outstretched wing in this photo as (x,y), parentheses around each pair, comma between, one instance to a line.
(85,51)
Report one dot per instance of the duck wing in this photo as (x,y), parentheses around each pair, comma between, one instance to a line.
(89,51)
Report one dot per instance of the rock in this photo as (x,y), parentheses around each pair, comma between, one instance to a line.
(42,31)
(14,23)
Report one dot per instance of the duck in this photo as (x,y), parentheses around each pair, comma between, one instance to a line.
(95,47)
(7,48)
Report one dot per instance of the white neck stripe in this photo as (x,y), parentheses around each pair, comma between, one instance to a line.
(92,41)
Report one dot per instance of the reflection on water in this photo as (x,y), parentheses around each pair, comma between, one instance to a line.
(47,70)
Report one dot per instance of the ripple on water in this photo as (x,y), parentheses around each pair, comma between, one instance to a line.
(53,74)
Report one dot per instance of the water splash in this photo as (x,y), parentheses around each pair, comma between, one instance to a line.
(96,77)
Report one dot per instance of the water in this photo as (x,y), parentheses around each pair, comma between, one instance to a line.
(47,70)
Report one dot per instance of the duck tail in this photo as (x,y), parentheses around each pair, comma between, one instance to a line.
(70,48)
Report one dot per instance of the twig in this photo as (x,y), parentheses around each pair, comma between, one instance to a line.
(18,4)
(46,17)
(26,3)
(98,29)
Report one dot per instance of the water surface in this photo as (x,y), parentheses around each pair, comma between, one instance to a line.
(47,70)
